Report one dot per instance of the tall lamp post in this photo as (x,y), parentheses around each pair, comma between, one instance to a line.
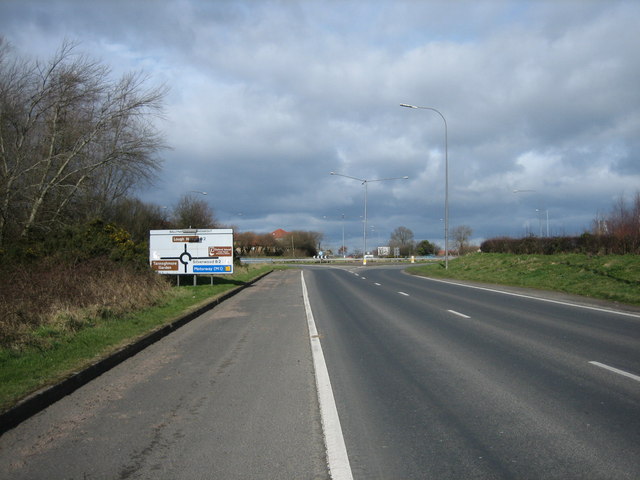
(446,181)
(366,182)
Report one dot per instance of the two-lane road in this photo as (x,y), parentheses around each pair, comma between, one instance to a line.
(434,380)
(420,379)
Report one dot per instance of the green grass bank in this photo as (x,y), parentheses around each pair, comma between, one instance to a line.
(58,353)
(609,277)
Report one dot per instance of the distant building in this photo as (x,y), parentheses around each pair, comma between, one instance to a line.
(279,233)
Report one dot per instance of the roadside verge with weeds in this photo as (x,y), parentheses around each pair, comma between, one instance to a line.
(606,277)
(71,337)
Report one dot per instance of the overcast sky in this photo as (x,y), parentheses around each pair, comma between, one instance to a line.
(267,97)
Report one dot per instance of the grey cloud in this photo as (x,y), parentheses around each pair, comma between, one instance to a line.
(268,97)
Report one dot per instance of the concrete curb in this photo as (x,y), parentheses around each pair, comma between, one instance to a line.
(42,399)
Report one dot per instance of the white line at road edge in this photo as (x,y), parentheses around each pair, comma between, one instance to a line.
(542,299)
(615,370)
(339,467)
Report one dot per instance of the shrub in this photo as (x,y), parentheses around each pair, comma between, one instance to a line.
(64,282)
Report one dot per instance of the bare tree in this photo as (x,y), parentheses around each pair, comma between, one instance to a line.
(461,236)
(622,224)
(402,238)
(70,138)
(191,212)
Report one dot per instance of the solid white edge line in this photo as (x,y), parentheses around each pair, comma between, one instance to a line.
(458,314)
(548,300)
(337,458)
(616,370)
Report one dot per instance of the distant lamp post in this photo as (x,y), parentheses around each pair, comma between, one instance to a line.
(538,211)
(446,181)
(546,210)
(344,251)
(366,182)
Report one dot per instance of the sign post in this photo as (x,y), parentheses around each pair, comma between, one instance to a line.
(191,251)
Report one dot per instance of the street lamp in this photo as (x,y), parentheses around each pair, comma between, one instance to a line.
(366,182)
(342,248)
(540,220)
(538,211)
(446,181)
(344,252)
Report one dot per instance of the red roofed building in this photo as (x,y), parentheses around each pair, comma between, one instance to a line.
(279,233)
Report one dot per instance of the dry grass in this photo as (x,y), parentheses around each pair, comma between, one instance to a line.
(75,333)
(49,298)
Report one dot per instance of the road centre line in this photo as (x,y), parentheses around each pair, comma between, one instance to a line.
(458,314)
(542,299)
(405,294)
(377,284)
(337,458)
(616,370)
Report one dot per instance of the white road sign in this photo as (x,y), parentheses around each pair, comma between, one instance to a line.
(191,251)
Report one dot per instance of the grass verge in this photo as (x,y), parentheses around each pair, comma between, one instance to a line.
(25,371)
(608,277)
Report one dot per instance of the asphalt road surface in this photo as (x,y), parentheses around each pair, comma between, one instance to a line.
(430,380)
(434,380)
(230,395)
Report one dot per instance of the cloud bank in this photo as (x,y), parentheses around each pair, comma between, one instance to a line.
(268,97)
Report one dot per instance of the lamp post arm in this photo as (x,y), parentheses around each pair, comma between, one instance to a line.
(349,176)
(392,178)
